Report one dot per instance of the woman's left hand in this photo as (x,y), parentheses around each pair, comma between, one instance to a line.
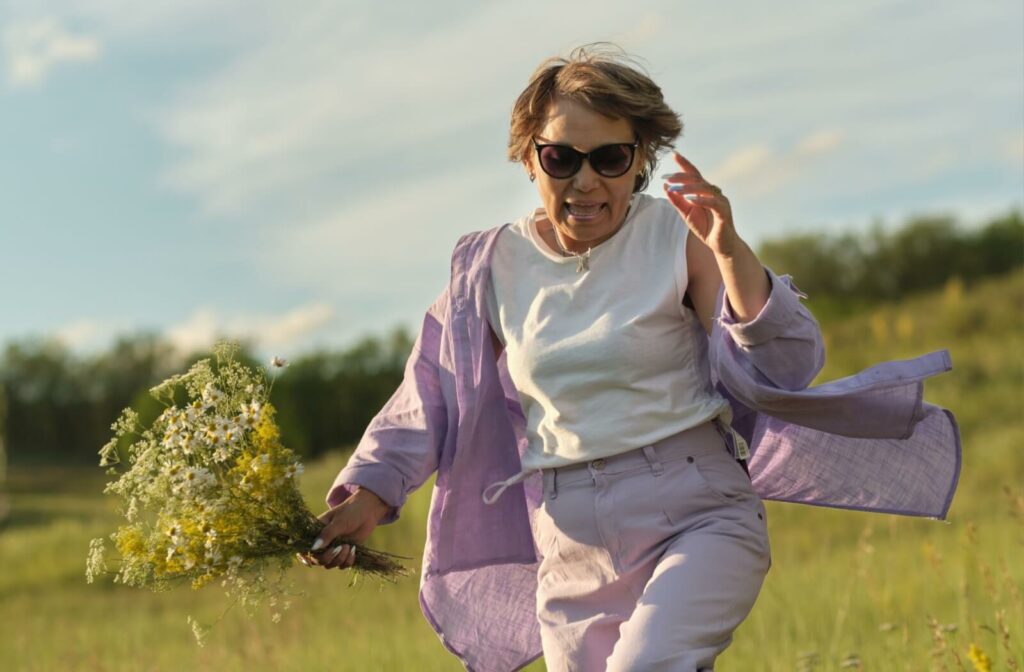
(703,207)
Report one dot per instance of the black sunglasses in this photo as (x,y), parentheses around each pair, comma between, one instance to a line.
(562,161)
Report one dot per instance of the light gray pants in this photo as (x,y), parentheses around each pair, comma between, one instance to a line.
(650,558)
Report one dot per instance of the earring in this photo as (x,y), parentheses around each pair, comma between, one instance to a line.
(532,177)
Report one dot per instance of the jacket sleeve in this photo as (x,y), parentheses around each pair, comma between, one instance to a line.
(782,346)
(402,444)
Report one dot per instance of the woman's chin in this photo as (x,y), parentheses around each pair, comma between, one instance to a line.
(591,230)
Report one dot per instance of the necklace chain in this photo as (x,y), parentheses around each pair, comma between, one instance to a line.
(582,258)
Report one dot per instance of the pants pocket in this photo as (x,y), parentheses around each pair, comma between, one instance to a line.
(723,477)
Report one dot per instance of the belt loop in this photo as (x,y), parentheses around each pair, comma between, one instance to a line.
(652,459)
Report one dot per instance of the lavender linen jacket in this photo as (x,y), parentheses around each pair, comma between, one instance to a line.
(864,442)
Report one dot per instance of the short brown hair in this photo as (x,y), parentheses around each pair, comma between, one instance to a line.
(607,80)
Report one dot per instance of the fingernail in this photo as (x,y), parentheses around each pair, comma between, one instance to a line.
(302,560)
(675,187)
(690,197)
(336,551)
(317,545)
(353,561)
(667,176)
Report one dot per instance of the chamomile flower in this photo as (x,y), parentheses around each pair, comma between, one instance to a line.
(196,478)
(249,416)
(211,396)
(187,443)
(170,439)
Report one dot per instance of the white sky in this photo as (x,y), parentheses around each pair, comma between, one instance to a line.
(298,173)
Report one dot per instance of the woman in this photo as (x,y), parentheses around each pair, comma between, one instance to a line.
(563,388)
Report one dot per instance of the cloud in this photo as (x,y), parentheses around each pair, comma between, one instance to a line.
(649,26)
(386,232)
(84,334)
(280,333)
(1012,146)
(342,102)
(384,257)
(819,142)
(34,48)
(286,332)
(295,325)
(343,87)
(744,163)
(758,169)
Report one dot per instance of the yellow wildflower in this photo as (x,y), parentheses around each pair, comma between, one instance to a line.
(982,663)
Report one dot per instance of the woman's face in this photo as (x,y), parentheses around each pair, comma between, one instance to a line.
(587,207)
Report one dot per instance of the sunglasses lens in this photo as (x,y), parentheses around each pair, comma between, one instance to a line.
(561,161)
(558,161)
(612,160)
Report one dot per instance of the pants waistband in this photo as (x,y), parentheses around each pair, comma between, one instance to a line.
(703,439)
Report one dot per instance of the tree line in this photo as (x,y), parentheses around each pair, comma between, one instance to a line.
(60,405)
(849,270)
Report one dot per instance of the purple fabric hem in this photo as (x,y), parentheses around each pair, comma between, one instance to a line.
(947,503)
(861,509)
(451,648)
(437,630)
(919,514)
(537,657)
(959,457)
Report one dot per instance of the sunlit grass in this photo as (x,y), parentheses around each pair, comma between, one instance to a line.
(846,591)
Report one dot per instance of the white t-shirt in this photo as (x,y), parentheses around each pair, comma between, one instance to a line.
(605,360)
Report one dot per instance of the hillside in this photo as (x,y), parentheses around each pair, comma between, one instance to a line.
(846,591)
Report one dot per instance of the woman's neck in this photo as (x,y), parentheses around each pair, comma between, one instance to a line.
(561,242)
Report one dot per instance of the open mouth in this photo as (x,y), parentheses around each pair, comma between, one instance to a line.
(584,212)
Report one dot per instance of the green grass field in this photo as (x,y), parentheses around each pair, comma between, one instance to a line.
(847,590)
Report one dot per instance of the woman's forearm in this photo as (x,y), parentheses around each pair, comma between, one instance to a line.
(746,284)
(708,214)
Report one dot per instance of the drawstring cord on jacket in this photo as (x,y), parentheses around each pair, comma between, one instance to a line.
(504,485)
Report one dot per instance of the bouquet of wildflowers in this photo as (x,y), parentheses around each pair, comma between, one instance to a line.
(210,492)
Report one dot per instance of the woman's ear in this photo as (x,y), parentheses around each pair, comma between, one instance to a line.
(530,170)
(642,177)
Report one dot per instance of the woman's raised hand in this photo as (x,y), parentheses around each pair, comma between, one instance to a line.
(351,521)
(702,206)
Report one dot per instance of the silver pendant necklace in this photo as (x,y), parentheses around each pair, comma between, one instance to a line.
(582,258)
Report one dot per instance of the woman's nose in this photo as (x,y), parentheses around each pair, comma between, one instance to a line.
(585,179)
